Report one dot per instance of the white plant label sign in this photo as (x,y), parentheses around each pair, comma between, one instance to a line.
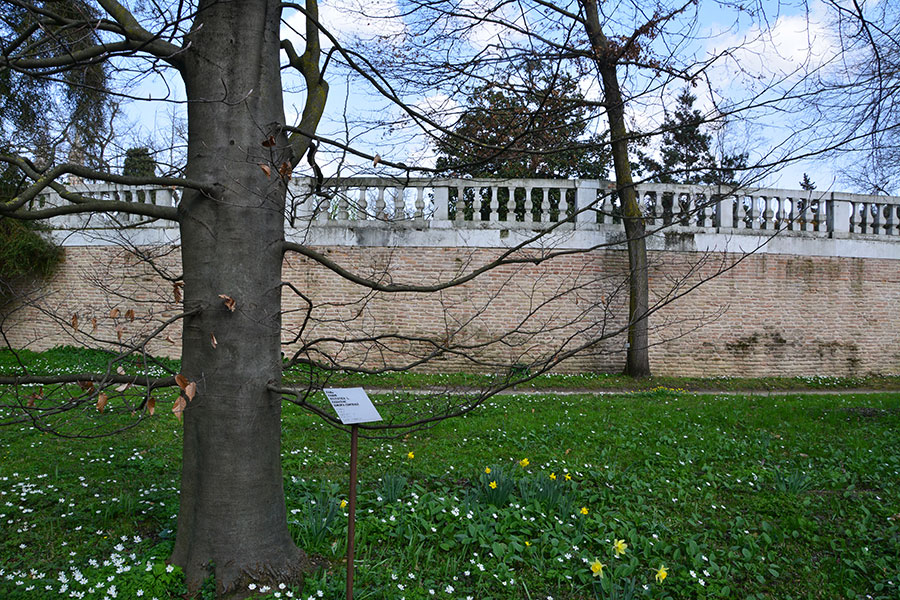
(352,405)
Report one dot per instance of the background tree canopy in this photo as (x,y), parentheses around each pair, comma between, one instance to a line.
(61,107)
(686,151)
(526,125)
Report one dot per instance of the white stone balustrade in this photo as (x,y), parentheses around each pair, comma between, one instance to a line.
(533,203)
(455,210)
(159,196)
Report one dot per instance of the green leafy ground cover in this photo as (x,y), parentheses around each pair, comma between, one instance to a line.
(736,496)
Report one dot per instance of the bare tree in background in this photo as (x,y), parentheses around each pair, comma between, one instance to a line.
(859,93)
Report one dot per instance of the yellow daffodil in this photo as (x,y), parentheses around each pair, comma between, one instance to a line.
(568,477)
(487,470)
(343,503)
(584,510)
(524,462)
(553,476)
(410,455)
(662,573)
(597,568)
(527,543)
(493,485)
(620,547)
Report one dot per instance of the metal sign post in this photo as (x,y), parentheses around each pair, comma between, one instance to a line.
(352,406)
(351,523)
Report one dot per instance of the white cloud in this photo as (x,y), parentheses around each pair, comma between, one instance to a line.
(792,47)
(485,26)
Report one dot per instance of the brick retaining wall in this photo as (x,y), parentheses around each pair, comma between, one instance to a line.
(770,314)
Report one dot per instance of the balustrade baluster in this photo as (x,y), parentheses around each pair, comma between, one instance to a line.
(510,204)
(789,207)
(688,209)
(529,206)
(768,214)
(705,211)
(420,204)
(605,206)
(494,215)
(460,215)
(399,204)
(323,206)
(544,208)
(342,205)
(362,204)
(875,214)
(380,203)
(477,204)
(779,212)
(562,206)
(806,214)
(647,202)
(864,217)
(751,213)
(800,216)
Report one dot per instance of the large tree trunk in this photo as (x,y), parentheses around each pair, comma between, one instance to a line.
(232,518)
(637,360)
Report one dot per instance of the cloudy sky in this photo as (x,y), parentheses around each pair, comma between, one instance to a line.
(762,59)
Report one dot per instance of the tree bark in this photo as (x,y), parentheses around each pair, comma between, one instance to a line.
(637,360)
(232,518)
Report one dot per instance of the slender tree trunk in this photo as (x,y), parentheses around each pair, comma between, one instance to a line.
(232,518)
(637,361)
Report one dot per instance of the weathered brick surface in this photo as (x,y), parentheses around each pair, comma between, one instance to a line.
(766,315)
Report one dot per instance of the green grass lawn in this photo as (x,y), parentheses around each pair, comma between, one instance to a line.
(737,496)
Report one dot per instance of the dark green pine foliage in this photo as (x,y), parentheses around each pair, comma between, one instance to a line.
(530,125)
(807,184)
(65,109)
(139,163)
(26,253)
(685,152)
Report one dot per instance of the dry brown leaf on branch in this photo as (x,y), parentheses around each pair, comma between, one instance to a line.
(87,386)
(120,331)
(269,142)
(75,321)
(35,396)
(176,290)
(129,314)
(285,171)
(114,313)
(212,340)
(123,387)
(376,160)
(101,402)
(120,370)
(190,390)
(151,406)
(229,302)
(178,407)
(181,381)
(266,169)
(94,325)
